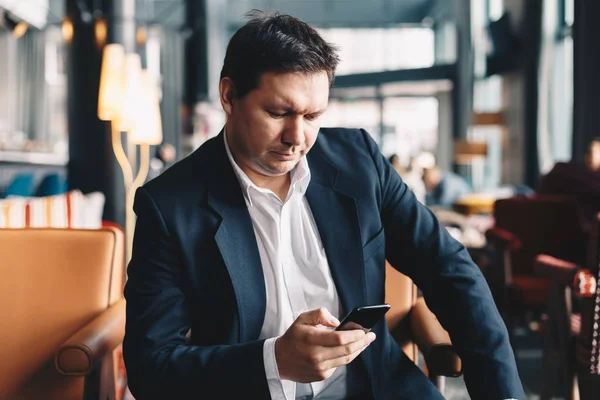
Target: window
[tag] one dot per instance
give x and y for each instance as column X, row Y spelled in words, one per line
column 33, row 106
column 555, row 116
column 368, row 50
column 562, row 87
column 485, row 174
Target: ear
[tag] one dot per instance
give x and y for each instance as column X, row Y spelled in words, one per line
column 226, row 94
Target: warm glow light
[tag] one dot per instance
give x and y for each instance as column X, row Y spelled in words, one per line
column 67, row 29
column 127, row 116
column 100, row 32
column 141, row 35
column 110, row 96
column 20, row 29
column 148, row 125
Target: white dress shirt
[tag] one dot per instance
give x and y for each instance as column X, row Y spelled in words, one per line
column 296, row 271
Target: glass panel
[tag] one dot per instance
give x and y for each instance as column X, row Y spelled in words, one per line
column 488, row 94
column 33, row 107
column 369, row 50
column 364, row 114
column 486, row 173
column 496, row 8
column 411, row 126
column 561, row 117
column 569, row 11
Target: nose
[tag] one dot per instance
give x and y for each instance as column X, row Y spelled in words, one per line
column 293, row 134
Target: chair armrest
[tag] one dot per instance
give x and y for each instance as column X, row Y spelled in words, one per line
column 566, row 274
column 503, row 239
column 557, row 270
column 80, row 353
column 434, row 342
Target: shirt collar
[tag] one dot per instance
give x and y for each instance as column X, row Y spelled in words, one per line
column 300, row 175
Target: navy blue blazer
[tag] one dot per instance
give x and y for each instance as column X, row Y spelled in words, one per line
column 196, row 266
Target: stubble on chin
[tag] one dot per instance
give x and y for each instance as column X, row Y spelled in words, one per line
column 271, row 169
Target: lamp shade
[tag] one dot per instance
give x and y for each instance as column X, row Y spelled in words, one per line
column 148, row 122
column 126, row 119
column 110, row 96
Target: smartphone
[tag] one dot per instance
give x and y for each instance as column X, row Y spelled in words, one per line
column 363, row 318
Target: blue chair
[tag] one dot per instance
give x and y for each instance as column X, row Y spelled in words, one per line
column 21, row 185
column 51, row 184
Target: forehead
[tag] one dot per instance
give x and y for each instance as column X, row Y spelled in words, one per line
column 294, row 89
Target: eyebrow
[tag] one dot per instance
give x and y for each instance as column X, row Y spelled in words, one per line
column 290, row 110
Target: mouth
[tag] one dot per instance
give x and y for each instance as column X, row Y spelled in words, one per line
column 285, row 156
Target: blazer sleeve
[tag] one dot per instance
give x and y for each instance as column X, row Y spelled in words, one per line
column 452, row 284
column 160, row 361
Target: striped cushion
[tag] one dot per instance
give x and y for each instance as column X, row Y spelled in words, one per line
column 66, row 210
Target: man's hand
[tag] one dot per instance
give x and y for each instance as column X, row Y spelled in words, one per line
column 307, row 352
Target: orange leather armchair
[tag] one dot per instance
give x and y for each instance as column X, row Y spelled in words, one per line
column 62, row 314
column 416, row 329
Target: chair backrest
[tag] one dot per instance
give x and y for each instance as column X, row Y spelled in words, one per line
column 547, row 224
column 52, row 282
column 22, row 184
column 51, row 184
column 401, row 294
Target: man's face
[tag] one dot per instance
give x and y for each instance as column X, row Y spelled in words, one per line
column 431, row 179
column 274, row 125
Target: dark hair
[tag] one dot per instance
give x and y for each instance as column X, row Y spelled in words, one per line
column 393, row 158
column 274, row 42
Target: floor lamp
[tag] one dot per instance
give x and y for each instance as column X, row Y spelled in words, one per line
column 128, row 98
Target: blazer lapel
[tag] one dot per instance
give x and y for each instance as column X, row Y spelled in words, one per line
column 237, row 243
column 336, row 217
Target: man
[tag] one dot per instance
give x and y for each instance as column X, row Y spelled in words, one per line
column 580, row 181
column 411, row 177
column 444, row 188
column 248, row 251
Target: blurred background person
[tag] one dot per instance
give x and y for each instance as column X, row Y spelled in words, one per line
column 444, row 188
column 581, row 181
column 411, row 177
column 165, row 155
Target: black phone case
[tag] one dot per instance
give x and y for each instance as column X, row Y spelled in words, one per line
column 363, row 318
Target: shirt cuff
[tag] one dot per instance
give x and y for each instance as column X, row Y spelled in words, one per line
column 278, row 388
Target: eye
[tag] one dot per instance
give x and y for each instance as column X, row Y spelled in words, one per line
column 275, row 115
column 311, row 117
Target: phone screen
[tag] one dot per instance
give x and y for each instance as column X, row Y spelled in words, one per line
column 363, row 318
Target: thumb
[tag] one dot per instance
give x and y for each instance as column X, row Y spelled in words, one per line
column 319, row 316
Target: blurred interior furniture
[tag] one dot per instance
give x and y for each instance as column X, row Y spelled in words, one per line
column 71, row 209
column 467, row 153
column 63, row 312
column 22, row 184
column 416, row 329
column 476, row 203
column 128, row 98
column 571, row 332
column 51, row 184
column 525, row 226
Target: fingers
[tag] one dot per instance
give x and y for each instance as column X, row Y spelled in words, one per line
column 328, row 338
column 342, row 355
column 319, row 316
